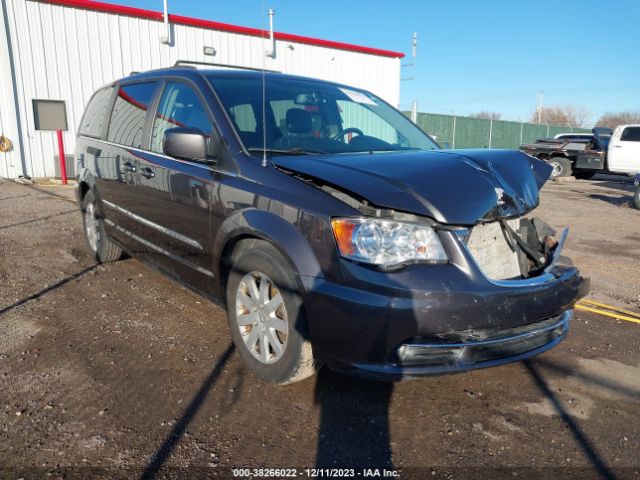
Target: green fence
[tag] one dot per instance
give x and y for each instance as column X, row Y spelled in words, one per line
column 466, row 132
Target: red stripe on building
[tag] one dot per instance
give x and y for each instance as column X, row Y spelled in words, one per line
column 224, row 27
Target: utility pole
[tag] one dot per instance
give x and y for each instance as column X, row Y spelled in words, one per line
column 540, row 95
column 414, row 104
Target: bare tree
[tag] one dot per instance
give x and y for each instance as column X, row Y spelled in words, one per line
column 486, row 115
column 567, row 115
column 613, row 119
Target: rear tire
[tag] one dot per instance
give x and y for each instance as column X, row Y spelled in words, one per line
column 266, row 315
column 561, row 166
column 101, row 248
column 636, row 198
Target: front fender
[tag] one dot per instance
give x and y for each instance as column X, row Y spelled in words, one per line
column 274, row 229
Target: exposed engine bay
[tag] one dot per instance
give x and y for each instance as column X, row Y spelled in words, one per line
column 513, row 249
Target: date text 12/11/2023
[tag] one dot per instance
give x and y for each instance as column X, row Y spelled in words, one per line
column 314, row 473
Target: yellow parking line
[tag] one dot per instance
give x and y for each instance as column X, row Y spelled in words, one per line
column 607, row 314
column 610, row 307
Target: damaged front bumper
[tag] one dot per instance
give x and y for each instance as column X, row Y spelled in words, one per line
column 437, row 319
column 417, row 359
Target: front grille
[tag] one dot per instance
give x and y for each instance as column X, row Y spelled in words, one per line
column 488, row 246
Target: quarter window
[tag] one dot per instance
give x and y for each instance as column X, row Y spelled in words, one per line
column 631, row 134
column 94, row 116
column 129, row 113
column 179, row 106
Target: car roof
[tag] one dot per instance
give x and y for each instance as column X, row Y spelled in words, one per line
column 190, row 72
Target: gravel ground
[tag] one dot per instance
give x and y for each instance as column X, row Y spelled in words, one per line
column 117, row 372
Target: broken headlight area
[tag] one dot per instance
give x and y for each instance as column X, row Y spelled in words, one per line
column 513, row 249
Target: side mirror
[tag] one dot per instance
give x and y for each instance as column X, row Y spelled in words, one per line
column 185, row 143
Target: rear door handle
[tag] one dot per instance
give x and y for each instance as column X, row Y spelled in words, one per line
column 147, row 173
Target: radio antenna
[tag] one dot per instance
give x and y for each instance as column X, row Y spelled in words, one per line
column 264, row 88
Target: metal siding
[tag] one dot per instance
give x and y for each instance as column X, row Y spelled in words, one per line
column 65, row 53
column 10, row 163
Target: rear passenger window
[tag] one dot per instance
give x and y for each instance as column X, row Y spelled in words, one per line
column 631, row 134
column 95, row 114
column 179, row 106
column 129, row 112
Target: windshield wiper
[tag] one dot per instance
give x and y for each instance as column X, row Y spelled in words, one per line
column 290, row 151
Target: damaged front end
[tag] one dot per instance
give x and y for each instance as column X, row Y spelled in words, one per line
column 513, row 249
column 498, row 291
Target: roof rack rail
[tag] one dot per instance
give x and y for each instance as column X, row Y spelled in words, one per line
column 134, row 72
column 192, row 63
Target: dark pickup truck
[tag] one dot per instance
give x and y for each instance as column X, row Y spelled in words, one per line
column 582, row 157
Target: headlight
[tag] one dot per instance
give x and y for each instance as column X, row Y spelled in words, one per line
column 386, row 242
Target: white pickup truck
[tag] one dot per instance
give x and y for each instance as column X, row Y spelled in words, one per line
column 584, row 155
column 623, row 154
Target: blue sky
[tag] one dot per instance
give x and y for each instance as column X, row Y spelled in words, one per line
column 472, row 55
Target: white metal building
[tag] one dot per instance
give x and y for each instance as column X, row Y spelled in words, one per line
column 63, row 50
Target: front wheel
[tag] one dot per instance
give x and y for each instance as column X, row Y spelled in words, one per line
column 102, row 249
column 266, row 316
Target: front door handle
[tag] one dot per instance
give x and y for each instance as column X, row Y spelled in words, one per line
column 147, row 173
column 128, row 167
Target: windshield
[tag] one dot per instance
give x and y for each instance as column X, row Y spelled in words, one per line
column 313, row 117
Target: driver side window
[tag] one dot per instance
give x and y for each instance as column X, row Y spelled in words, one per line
column 179, row 106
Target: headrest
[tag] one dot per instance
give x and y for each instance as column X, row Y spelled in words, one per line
column 298, row 121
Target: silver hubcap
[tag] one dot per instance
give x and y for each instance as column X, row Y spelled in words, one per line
column 261, row 317
column 557, row 169
column 91, row 227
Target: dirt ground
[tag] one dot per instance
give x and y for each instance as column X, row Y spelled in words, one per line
column 117, row 372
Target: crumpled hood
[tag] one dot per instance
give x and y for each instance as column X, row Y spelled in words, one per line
column 458, row 187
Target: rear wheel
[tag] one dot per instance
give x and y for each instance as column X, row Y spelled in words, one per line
column 102, row 249
column 636, row 198
column 266, row 316
column 561, row 166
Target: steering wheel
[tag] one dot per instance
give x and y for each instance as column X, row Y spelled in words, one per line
column 342, row 133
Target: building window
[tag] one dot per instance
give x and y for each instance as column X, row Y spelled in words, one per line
column 50, row 114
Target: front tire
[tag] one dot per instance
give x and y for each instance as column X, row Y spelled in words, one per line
column 561, row 167
column 101, row 248
column 266, row 315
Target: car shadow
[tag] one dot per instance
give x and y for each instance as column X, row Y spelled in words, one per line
column 580, row 437
column 354, row 422
column 623, row 183
column 613, row 200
